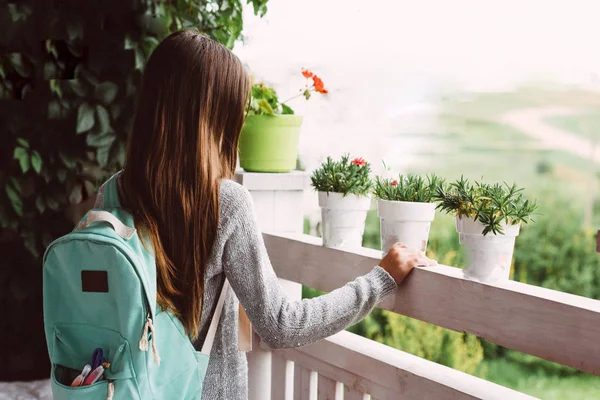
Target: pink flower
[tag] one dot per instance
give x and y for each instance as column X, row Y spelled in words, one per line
column 359, row 161
column 394, row 183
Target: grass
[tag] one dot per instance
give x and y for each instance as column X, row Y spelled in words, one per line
column 586, row 125
column 539, row 383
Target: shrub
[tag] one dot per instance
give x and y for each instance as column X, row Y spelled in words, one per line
column 490, row 204
column 69, row 74
column 412, row 188
column 344, row 176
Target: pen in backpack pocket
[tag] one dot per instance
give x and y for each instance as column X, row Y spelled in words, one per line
column 94, row 376
column 79, row 380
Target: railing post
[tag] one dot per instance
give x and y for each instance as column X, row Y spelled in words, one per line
column 278, row 201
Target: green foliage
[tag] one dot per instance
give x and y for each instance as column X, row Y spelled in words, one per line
column 413, row 188
column 490, row 204
column 347, row 176
column 453, row 349
column 69, row 75
column 266, row 102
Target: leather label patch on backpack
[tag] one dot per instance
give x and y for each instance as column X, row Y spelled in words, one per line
column 94, row 281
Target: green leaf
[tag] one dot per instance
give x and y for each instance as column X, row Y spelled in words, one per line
column 54, row 109
column 85, row 118
column 103, row 119
column 68, row 160
column 285, row 109
column 23, row 142
column 23, row 157
column 61, row 174
column 52, row 203
column 101, row 139
column 36, row 161
column 106, row 92
column 15, row 200
column 41, row 206
column 20, row 64
column 76, row 195
column 78, row 87
column 102, row 155
column 265, row 106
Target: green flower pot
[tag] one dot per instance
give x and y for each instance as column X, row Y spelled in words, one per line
column 270, row 143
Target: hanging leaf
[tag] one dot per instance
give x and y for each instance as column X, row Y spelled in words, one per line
column 102, row 155
column 78, row 87
column 85, row 118
column 21, row 155
column 15, row 200
column 53, row 109
column 20, row 64
column 23, row 142
column 103, row 119
column 68, row 160
column 41, row 206
column 101, row 139
column 36, row 161
column 106, row 92
column 52, row 203
column 61, row 174
column 75, row 196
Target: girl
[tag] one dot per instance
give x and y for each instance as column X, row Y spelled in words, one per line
column 201, row 225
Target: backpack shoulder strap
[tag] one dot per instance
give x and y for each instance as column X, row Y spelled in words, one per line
column 108, row 194
column 214, row 323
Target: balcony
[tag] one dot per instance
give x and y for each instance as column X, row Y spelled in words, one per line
column 552, row 325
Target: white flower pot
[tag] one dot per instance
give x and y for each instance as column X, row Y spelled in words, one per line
column 406, row 222
column 343, row 219
column 488, row 257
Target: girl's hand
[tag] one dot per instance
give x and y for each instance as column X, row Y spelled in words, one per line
column 400, row 260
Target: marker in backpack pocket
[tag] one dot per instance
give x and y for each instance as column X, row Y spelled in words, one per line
column 94, row 281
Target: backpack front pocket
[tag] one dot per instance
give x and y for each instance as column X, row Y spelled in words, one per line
column 62, row 391
column 71, row 350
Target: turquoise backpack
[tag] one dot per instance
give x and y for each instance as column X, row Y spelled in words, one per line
column 100, row 293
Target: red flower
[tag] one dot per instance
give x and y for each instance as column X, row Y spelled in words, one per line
column 319, row 86
column 307, row 74
column 394, row 183
column 359, row 161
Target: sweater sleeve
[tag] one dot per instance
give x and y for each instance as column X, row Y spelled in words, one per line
column 279, row 321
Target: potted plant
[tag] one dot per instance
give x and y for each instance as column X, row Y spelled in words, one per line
column 269, row 138
column 344, row 188
column 406, row 209
column 488, row 220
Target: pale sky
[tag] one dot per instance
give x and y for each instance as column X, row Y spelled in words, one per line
column 381, row 58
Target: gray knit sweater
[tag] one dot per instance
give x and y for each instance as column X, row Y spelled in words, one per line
column 239, row 253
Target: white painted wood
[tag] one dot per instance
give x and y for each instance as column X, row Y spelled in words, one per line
column 278, row 375
column 301, row 382
column 259, row 371
column 366, row 366
column 278, row 205
column 295, row 180
column 339, row 391
column 352, row 394
column 326, row 388
column 557, row 326
column 289, row 380
column 313, row 385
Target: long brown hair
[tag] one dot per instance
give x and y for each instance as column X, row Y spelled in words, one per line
column 184, row 141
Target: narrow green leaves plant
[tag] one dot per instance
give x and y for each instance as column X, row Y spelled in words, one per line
column 490, row 204
column 346, row 176
column 413, row 188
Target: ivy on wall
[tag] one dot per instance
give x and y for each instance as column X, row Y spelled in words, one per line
column 69, row 74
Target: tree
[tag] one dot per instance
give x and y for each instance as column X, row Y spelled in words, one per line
column 69, row 74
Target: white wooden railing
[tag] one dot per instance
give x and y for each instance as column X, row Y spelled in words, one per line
column 552, row 325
